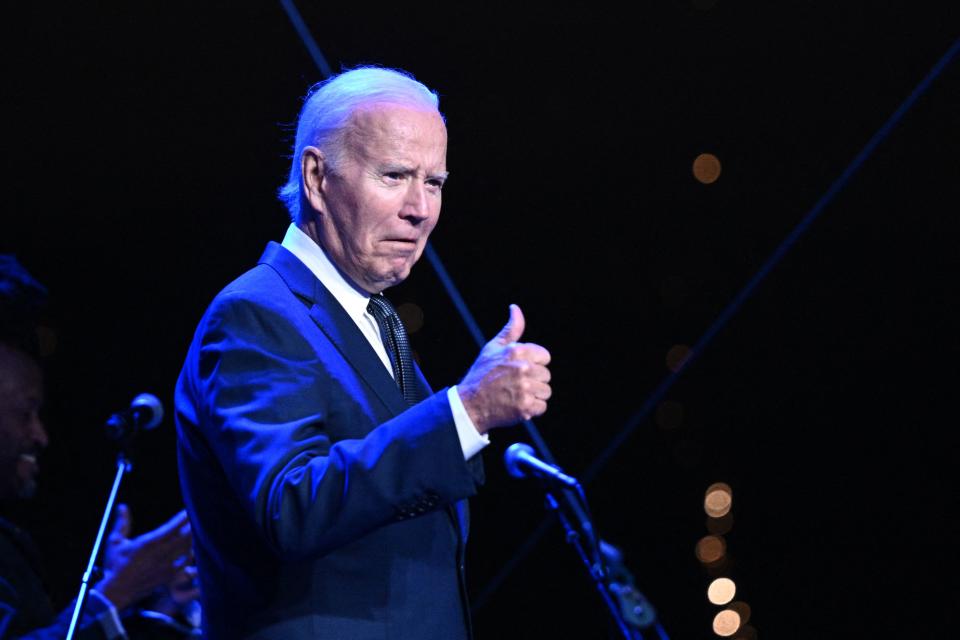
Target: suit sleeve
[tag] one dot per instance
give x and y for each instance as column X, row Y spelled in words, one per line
column 260, row 388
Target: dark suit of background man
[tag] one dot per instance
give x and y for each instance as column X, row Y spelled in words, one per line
column 324, row 505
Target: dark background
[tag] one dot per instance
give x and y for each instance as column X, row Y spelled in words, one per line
column 143, row 144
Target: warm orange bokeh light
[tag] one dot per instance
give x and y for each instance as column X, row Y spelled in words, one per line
column 710, row 549
column 721, row 591
column 726, row 623
column 706, row 168
column 718, row 500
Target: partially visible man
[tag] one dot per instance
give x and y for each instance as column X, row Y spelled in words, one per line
column 325, row 481
column 134, row 568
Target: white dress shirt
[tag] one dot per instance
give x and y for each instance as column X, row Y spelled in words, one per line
column 355, row 303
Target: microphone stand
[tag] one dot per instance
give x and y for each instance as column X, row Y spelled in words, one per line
column 145, row 412
column 123, row 465
column 584, row 541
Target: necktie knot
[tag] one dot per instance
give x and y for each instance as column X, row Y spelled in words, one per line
column 398, row 347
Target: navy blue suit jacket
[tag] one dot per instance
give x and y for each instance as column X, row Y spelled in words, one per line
column 322, row 506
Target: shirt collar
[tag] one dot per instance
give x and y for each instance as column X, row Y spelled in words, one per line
column 313, row 257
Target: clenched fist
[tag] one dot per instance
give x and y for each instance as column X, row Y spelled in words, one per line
column 509, row 381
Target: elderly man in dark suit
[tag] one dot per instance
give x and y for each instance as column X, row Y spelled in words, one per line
column 325, row 481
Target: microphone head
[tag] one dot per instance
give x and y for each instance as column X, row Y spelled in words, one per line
column 151, row 408
column 511, row 458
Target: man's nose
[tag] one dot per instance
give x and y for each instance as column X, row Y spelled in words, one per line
column 416, row 206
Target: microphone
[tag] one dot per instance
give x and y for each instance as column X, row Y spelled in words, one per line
column 522, row 463
column 145, row 412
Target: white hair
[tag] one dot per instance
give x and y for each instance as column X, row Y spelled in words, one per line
column 327, row 110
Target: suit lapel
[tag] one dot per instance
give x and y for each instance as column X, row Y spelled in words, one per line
column 337, row 325
column 342, row 331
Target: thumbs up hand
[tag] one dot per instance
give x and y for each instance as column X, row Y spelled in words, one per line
column 509, row 381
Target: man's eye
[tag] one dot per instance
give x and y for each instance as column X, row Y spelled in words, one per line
column 393, row 175
column 436, row 184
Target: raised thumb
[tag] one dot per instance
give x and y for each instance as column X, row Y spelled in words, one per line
column 512, row 331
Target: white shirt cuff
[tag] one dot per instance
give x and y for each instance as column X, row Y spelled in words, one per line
column 471, row 441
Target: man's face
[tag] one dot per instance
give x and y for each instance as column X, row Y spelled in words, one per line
column 22, row 435
column 379, row 205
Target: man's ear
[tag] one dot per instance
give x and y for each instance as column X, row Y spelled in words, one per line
column 312, row 171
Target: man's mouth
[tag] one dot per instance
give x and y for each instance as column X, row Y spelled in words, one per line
column 403, row 245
